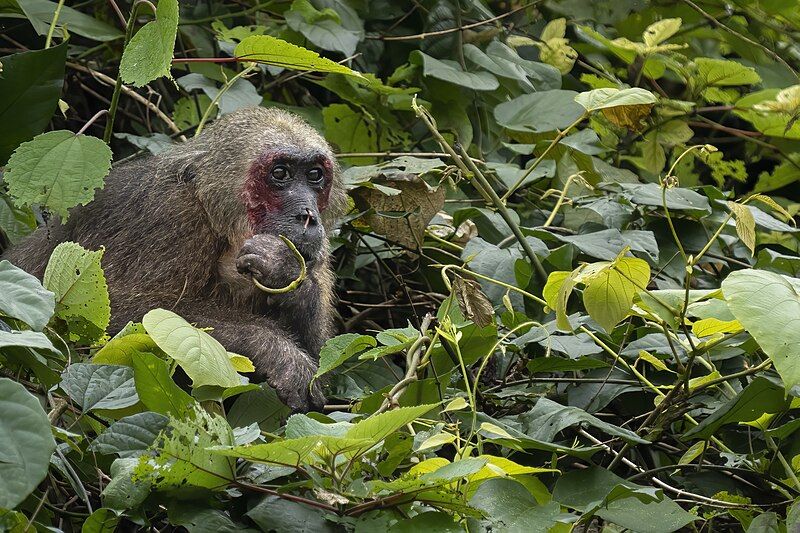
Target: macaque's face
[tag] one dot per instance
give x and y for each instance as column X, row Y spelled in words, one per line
column 285, row 193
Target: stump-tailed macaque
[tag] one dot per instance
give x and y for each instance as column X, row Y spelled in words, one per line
column 187, row 230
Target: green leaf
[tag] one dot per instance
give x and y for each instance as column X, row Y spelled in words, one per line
column 40, row 14
column 608, row 98
column 759, row 397
column 26, row 443
column 322, row 30
column 608, row 297
column 15, row 222
column 203, row 359
column 598, row 491
column 548, row 418
column 31, row 85
column 155, row 387
column 349, row 130
column 125, row 491
column 283, row 516
column 101, row 521
column 120, row 350
column 130, row 436
column 148, row 55
column 724, row 72
column 57, row 170
column 503, row 61
column 767, row 305
column 510, row 508
column 539, row 112
column 24, row 298
column 99, row 386
column 27, row 339
column 339, row 349
column 75, row 276
column 293, row 452
column 378, row 427
column 273, row 51
column 451, row 71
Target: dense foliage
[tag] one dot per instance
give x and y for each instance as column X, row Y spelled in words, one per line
column 568, row 277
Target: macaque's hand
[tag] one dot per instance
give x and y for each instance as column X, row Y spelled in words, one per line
column 269, row 260
column 292, row 384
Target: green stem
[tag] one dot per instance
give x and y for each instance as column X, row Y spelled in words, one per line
column 53, row 22
column 216, row 99
column 468, row 166
column 558, row 138
column 112, row 109
column 560, row 199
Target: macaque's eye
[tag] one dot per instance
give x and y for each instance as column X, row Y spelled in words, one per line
column 280, row 173
column 315, row 176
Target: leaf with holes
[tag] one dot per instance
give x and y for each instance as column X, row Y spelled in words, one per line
column 75, row 276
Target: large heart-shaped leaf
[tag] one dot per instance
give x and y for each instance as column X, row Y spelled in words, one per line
column 768, row 306
column 203, row 358
column 26, row 443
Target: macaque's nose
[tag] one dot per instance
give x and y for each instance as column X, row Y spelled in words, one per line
column 307, row 218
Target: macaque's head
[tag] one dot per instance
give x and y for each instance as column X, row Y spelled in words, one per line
column 263, row 170
column 286, row 191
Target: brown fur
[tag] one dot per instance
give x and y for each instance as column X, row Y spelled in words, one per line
column 173, row 225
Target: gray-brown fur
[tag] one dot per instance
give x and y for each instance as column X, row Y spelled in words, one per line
column 173, row 227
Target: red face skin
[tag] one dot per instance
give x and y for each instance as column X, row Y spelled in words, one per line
column 264, row 201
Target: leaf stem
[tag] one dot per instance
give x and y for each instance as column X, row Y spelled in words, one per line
column 215, row 102
column 553, row 143
column 53, row 22
column 296, row 282
column 112, row 109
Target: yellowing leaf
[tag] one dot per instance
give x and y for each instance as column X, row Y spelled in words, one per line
column 745, row 225
column 437, row 440
column 702, row 380
column 456, row 405
column 653, row 360
column 241, row 363
column 502, row 467
column 763, row 198
column 428, row 465
column 554, row 49
column 553, row 285
column 496, row 430
column 609, row 297
column 713, row 326
column 658, row 32
column 786, row 101
column 556, row 28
